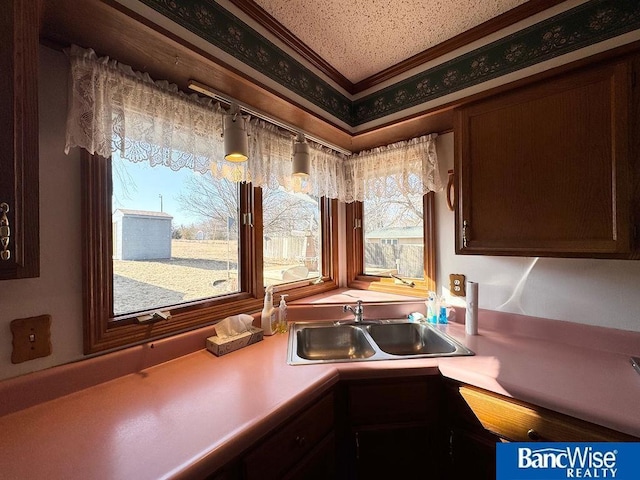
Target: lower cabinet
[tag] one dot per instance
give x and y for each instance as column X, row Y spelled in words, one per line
column 319, row 464
column 407, row 427
column 392, row 428
column 472, row 453
column 303, row 448
column 478, row 420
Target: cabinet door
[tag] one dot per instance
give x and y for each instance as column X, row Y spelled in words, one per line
column 395, row 428
column 319, row 464
column 19, row 242
column 544, row 170
column 521, row 422
column 398, row 452
column 473, row 454
column 296, row 442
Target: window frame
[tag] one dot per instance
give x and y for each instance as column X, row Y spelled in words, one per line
column 104, row 331
column 356, row 278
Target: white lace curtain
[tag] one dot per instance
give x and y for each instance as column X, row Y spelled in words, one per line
column 409, row 167
column 112, row 109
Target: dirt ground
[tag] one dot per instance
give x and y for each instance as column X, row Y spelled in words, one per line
column 197, row 269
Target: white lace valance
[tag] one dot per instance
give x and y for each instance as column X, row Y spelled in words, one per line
column 409, row 167
column 112, row 108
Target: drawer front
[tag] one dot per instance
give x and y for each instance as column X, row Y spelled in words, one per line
column 398, row 401
column 519, row 422
column 284, row 448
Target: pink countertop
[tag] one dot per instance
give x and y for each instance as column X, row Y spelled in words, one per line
column 188, row 416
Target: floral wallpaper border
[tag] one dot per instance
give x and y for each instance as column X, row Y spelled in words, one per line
column 219, row 27
column 576, row 28
column 586, row 24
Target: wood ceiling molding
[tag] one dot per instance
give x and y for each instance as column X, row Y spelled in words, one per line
column 275, row 28
column 507, row 19
column 111, row 29
column 573, row 29
column 279, row 31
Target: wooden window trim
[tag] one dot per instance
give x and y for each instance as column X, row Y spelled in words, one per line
column 103, row 331
column 355, row 259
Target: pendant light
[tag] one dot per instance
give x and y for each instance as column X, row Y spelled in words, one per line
column 301, row 163
column 236, row 144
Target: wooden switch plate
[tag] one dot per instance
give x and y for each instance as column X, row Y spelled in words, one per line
column 31, row 338
column 457, row 285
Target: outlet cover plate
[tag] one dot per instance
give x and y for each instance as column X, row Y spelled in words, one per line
column 457, row 283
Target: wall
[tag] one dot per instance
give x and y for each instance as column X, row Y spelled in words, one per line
column 58, row 290
column 586, row 291
column 594, row 292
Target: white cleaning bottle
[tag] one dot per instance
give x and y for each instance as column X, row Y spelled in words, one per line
column 268, row 312
column 282, row 315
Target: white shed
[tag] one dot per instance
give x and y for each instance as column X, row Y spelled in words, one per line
column 141, row 235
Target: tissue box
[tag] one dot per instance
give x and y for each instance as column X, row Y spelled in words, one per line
column 219, row 346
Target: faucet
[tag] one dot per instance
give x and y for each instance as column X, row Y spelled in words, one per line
column 358, row 311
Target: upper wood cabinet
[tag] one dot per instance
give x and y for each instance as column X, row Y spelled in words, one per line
column 546, row 169
column 19, row 222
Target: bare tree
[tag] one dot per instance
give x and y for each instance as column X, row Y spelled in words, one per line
column 284, row 212
column 207, row 198
column 393, row 204
column 217, row 200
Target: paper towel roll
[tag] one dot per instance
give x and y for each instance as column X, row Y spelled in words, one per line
column 471, row 317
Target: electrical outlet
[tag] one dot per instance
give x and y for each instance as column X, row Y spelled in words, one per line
column 31, row 338
column 457, row 285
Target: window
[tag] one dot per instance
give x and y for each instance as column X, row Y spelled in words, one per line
column 175, row 236
column 292, row 248
column 393, row 240
column 393, row 230
column 242, row 238
column 157, row 240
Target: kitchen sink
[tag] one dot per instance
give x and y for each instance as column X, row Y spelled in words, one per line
column 337, row 343
column 410, row 339
column 325, row 342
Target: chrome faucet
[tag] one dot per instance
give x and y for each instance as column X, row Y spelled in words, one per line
column 358, row 311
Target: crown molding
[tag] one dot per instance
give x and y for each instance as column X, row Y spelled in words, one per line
column 279, row 31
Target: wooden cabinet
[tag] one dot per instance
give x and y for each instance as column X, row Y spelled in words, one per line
column 547, row 170
column 404, row 427
column 303, row 448
column 19, row 240
column 479, row 419
column 393, row 429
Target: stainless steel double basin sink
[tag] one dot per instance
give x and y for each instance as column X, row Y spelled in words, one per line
column 325, row 342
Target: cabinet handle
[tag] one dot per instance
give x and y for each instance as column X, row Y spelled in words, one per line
column 357, row 446
column 465, row 229
column 450, row 186
column 5, row 232
column 301, row 441
column 533, row 435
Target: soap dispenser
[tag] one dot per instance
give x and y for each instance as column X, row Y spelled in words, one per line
column 268, row 312
column 282, row 315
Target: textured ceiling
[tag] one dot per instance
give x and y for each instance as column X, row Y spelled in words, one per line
column 360, row 38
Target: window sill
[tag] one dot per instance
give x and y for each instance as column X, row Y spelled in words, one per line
column 377, row 304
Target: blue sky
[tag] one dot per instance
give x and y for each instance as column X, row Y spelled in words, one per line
column 147, row 184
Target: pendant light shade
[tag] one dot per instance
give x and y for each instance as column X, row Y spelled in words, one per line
column 301, row 161
column 236, row 144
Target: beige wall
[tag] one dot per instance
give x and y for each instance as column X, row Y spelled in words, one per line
column 587, row 291
column 58, row 289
